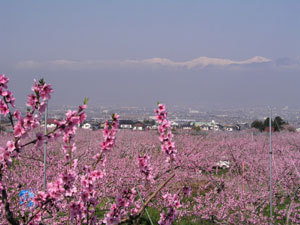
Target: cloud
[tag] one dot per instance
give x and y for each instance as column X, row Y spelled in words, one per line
column 200, row 62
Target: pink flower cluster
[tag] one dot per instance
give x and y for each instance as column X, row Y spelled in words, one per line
column 109, row 133
column 68, row 128
column 88, row 193
column 166, row 136
column 145, row 167
column 114, row 215
column 57, row 190
column 36, row 100
column 41, row 91
column 69, row 125
column 119, row 209
column 66, row 186
column 82, row 208
column 5, row 153
column 76, row 210
column 3, row 81
column 7, row 96
column 173, row 203
column 24, row 125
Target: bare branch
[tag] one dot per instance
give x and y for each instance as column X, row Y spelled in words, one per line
column 140, row 212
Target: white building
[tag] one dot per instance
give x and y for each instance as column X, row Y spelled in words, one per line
column 87, row 126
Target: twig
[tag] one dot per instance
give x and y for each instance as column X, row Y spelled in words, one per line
column 9, row 114
column 8, row 214
column 98, row 160
column 140, row 212
column 167, row 171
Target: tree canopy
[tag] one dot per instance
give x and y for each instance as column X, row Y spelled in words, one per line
column 278, row 124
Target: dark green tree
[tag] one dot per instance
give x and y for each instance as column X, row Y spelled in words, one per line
column 267, row 123
column 258, row 125
column 279, row 123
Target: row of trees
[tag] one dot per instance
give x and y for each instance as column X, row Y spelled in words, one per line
column 277, row 124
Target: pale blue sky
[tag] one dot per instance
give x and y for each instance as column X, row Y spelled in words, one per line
column 95, row 39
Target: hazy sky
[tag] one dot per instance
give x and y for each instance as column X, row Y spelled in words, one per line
column 237, row 53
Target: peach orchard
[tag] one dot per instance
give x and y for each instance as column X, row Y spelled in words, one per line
column 113, row 176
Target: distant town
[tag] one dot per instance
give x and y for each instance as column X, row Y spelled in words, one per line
column 142, row 118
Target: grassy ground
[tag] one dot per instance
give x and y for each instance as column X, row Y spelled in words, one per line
column 155, row 214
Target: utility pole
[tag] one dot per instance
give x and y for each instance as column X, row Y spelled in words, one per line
column 270, row 153
column 45, row 148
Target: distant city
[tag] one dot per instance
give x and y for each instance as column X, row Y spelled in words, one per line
column 141, row 118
